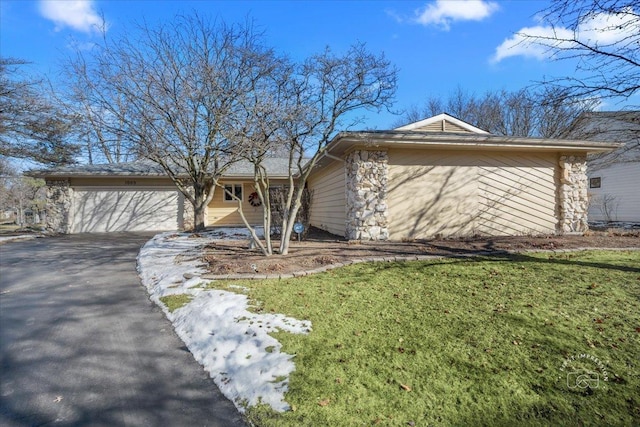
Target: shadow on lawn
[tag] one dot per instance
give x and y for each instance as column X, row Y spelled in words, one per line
column 491, row 253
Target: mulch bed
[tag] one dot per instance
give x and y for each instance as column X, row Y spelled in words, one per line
column 319, row 249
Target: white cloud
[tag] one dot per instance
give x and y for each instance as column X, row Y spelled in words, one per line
column 604, row 28
column 522, row 45
column 541, row 42
column 442, row 13
column 76, row 14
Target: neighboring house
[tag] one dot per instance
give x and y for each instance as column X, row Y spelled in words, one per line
column 436, row 177
column 613, row 176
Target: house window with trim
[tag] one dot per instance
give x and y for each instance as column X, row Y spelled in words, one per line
column 235, row 189
column 595, row 182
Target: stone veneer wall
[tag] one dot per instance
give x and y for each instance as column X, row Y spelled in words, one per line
column 366, row 186
column 59, row 205
column 573, row 198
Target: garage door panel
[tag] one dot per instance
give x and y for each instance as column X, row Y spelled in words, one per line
column 122, row 210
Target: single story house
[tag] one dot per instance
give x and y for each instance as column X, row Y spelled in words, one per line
column 613, row 176
column 436, row 177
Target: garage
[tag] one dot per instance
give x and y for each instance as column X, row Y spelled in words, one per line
column 109, row 210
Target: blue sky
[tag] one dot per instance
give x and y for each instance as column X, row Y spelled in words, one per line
column 437, row 45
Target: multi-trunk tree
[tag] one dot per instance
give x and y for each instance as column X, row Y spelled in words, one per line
column 306, row 107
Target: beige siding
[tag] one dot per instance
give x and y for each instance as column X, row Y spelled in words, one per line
column 225, row 213
column 430, row 193
column 453, row 193
column 517, row 194
column 328, row 203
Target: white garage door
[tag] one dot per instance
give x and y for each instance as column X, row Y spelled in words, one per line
column 124, row 210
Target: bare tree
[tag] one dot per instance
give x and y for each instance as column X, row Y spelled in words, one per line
column 318, row 97
column 546, row 113
column 32, row 125
column 261, row 130
column 175, row 92
column 297, row 113
column 20, row 193
column 603, row 37
column 100, row 143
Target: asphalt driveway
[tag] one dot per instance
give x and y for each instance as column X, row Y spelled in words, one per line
column 81, row 344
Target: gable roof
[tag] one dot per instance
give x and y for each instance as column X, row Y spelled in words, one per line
column 442, row 123
column 137, row 168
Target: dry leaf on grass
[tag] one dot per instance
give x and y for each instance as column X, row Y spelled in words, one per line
column 323, row 402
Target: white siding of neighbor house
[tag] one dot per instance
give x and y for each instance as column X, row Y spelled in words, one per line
column 618, row 198
column 453, row 193
column 328, row 198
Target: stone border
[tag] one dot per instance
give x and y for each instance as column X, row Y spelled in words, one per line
column 19, row 238
column 403, row 258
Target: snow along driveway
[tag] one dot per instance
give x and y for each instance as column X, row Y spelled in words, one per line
column 230, row 342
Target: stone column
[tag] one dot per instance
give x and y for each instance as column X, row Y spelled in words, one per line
column 59, row 206
column 366, row 186
column 573, row 198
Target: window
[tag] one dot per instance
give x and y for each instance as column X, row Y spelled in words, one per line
column 235, row 189
column 595, row 182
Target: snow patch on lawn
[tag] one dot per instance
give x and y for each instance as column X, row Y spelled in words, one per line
column 230, row 342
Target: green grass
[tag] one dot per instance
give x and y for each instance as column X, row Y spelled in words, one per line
column 461, row 342
column 176, row 301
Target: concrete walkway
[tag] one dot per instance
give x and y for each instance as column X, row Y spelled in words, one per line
column 81, row 344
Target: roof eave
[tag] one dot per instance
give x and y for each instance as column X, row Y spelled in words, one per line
column 49, row 174
column 461, row 141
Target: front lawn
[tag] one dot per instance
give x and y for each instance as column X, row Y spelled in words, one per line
column 493, row 341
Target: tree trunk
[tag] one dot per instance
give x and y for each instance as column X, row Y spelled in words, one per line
column 198, row 212
column 202, row 195
column 285, row 237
